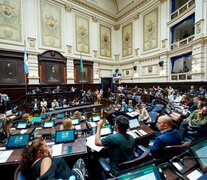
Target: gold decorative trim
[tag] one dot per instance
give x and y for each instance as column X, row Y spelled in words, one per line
column 32, row 41
column 136, row 16
column 116, row 27
column 94, row 19
column 97, row 10
column 68, row 8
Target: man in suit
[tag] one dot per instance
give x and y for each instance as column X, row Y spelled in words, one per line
column 121, row 145
column 167, row 137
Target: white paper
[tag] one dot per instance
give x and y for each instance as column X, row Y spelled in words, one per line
column 91, row 143
column 93, row 124
column 194, row 175
column 23, row 131
column 2, row 148
column 50, row 143
column 78, row 127
column 142, row 132
column 178, row 166
column 56, row 149
column 105, row 131
column 4, row 155
column 133, row 134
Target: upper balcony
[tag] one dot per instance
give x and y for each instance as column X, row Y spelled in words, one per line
column 182, row 43
column 181, row 10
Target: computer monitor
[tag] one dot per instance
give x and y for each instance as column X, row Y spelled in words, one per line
column 150, row 172
column 64, row 136
column 200, row 152
column 48, row 124
column 96, row 118
column 22, row 125
column 17, row 141
column 75, row 121
column 134, row 123
column 60, row 116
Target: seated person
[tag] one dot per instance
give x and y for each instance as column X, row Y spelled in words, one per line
column 37, row 163
column 35, row 106
column 67, row 123
column 198, row 118
column 54, row 104
column 130, row 104
column 143, row 113
column 6, row 125
column 57, row 90
column 121, row 145
column 76, row 114
column 64, row 103
column 167, row 137
column 124, row 107
column 43, row 105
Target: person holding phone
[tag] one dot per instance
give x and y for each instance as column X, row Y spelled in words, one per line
column 37, row 163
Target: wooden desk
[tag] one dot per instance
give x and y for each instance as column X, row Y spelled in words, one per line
column 17, row 131
column 78, row 147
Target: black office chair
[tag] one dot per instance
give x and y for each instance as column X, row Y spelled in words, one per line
column 174, row 150
column 197, row 132
column 106, row 168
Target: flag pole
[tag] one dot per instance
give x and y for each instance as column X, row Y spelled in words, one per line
column 81, row 69
column 26, row 70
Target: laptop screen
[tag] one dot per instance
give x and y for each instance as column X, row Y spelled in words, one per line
column 65, row 136
column 133, row 123
column 17, row 141
column 96, row 118
column 22, row 125
column 48, row 124
column 75, row 121
column 150, row 172
column 60, row 116
column 200, row 152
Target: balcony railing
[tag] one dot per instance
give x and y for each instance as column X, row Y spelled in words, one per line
column 181, row 76
column 182, row 9
column 182, row 42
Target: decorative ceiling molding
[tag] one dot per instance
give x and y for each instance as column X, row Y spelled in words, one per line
column 121, row 14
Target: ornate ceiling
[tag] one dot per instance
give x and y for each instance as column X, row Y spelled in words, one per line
column 115, row 8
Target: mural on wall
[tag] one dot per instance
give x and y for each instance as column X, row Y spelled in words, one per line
column 10, row 20
column 150, row 31
column 82, row 34
column 51, row 28
column 127, row 40
column 105, row 41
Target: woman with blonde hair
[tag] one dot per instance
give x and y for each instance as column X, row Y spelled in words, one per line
column 143, row 114
column 67, row 123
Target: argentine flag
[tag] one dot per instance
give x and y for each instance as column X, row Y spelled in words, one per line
column 26, row 66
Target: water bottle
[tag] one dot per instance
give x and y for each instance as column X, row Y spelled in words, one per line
column 35, row 133
column 53, row 133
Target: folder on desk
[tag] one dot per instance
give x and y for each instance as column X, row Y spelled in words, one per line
column 36, row 119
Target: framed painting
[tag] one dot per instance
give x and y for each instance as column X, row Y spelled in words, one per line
column 150, row 30
column 52, row 67
column 105, row 41
column 127, row 40
column 82, row 34
column 51, row 29
column 11, row 72
column 11, row 20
